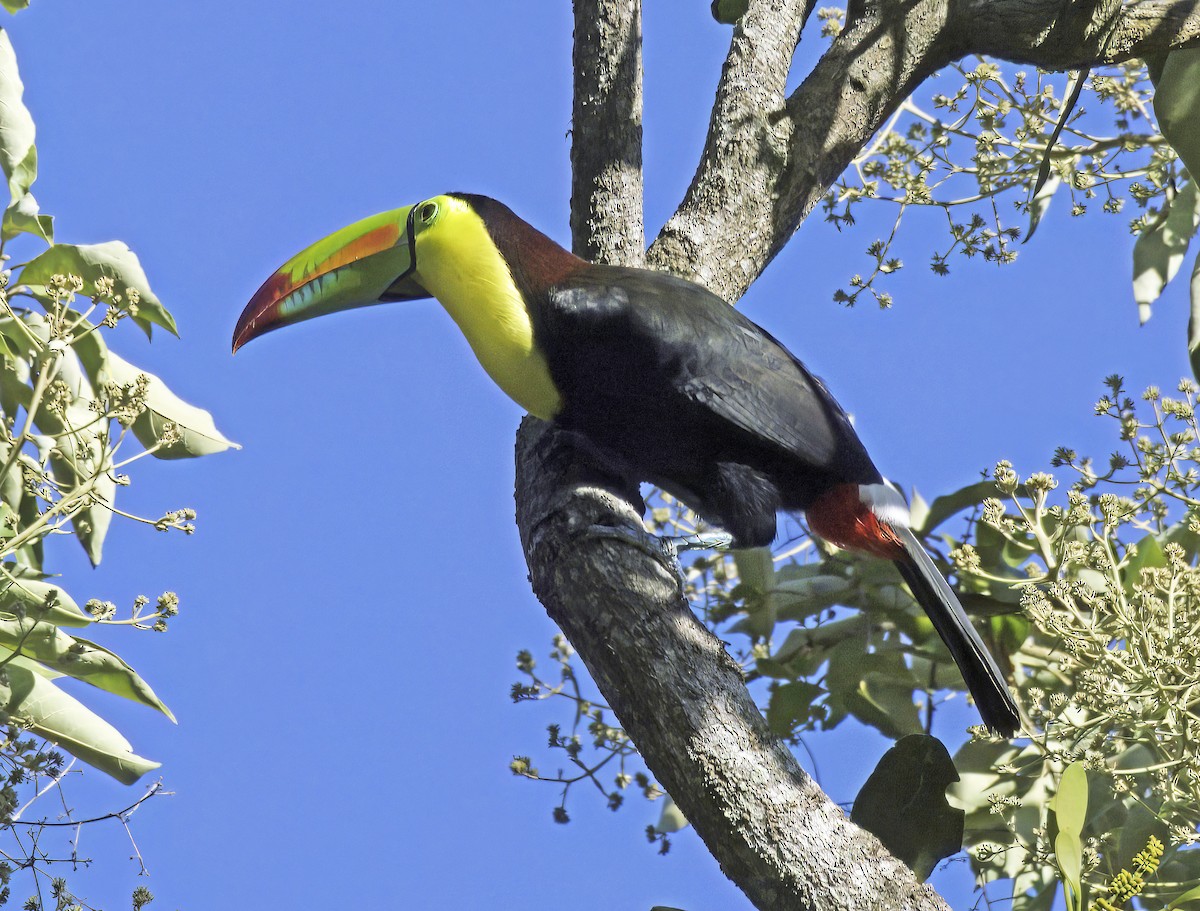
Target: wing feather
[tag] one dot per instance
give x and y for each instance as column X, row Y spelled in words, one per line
column 646, row 334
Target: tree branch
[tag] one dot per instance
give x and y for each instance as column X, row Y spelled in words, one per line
column 668, row 680
column 684, row 702
column 725, row 215
column 606, row 169
column 770, row 160
column 1057, row 35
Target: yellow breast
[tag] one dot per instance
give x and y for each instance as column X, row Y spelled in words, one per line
column 458, row 263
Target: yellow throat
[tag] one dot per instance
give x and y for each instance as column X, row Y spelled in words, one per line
column 458, row 263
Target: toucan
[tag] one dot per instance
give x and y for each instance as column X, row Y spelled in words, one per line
column 663, row 379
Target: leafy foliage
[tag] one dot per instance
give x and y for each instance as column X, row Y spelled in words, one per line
column 611, row 744
column 70, row 414
column 973, row 152
column 73, row 418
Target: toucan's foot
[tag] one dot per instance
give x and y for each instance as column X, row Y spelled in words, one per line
column 667, row 548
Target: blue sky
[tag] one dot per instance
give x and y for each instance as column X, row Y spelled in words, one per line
column 355, row 595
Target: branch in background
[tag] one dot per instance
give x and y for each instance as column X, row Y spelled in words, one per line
column 1060, row 36
column 725, row 214
column 606, row 169
column 770, row 160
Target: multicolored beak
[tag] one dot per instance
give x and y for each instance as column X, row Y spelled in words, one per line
column 369, row 262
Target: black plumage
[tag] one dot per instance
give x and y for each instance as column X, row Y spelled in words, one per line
column 695, row 398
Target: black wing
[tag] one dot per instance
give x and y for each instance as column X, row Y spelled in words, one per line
column 646, row 361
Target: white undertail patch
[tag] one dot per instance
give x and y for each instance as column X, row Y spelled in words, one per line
column 886, row 503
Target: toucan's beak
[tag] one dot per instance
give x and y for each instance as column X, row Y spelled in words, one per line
column 369, row 262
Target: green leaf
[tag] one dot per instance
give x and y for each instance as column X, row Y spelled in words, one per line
column 71, row 462
column 1159, row 250
column 1191, row 895
column 14, row 6
column 799, row 599
column 903, row 803
column 998, row 553
column 1180, row 533
column 112, row 260
column 91, row 523
column 1139, row 824
column 12, row 486
column 51, row 714
column 16, row 125
column 78, row 658
column 727, row 12
column 1177, row 104
column 1023, row 782
column 1034, row 888
column 874, row 687
column 918, row 509
column 1071, row 801
column 755, row 567
column 32, row 553
column 1068, row 854
column 23, row 217
column 17, row 337
column 671, row 819
column 1177, row 877
column 197, row 434
column 1070, row 812
column 791, row 706
column 805, row 649
column 1148, row 554
column 92, row 351
column 948, row 505
column 18, row 154
column 756, row 581
column 799, row 640
column 39, row 600
column 977, row 761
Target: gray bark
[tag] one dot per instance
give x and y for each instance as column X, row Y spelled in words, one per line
column 606, row 169
column 767, row 161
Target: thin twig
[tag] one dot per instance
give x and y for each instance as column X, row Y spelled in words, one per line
column 16, row 817
column 124, row 814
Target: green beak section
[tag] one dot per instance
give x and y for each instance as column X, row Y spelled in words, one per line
column 368, row 262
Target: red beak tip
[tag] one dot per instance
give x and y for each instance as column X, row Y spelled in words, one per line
column 241, row 335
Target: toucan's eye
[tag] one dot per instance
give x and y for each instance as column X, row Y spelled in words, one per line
column 427, row 212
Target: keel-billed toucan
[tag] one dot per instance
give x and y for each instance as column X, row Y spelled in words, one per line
column 663, row 378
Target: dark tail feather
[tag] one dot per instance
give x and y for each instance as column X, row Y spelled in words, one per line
column 983, row 678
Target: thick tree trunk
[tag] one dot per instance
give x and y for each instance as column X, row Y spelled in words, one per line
column 768, row 160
